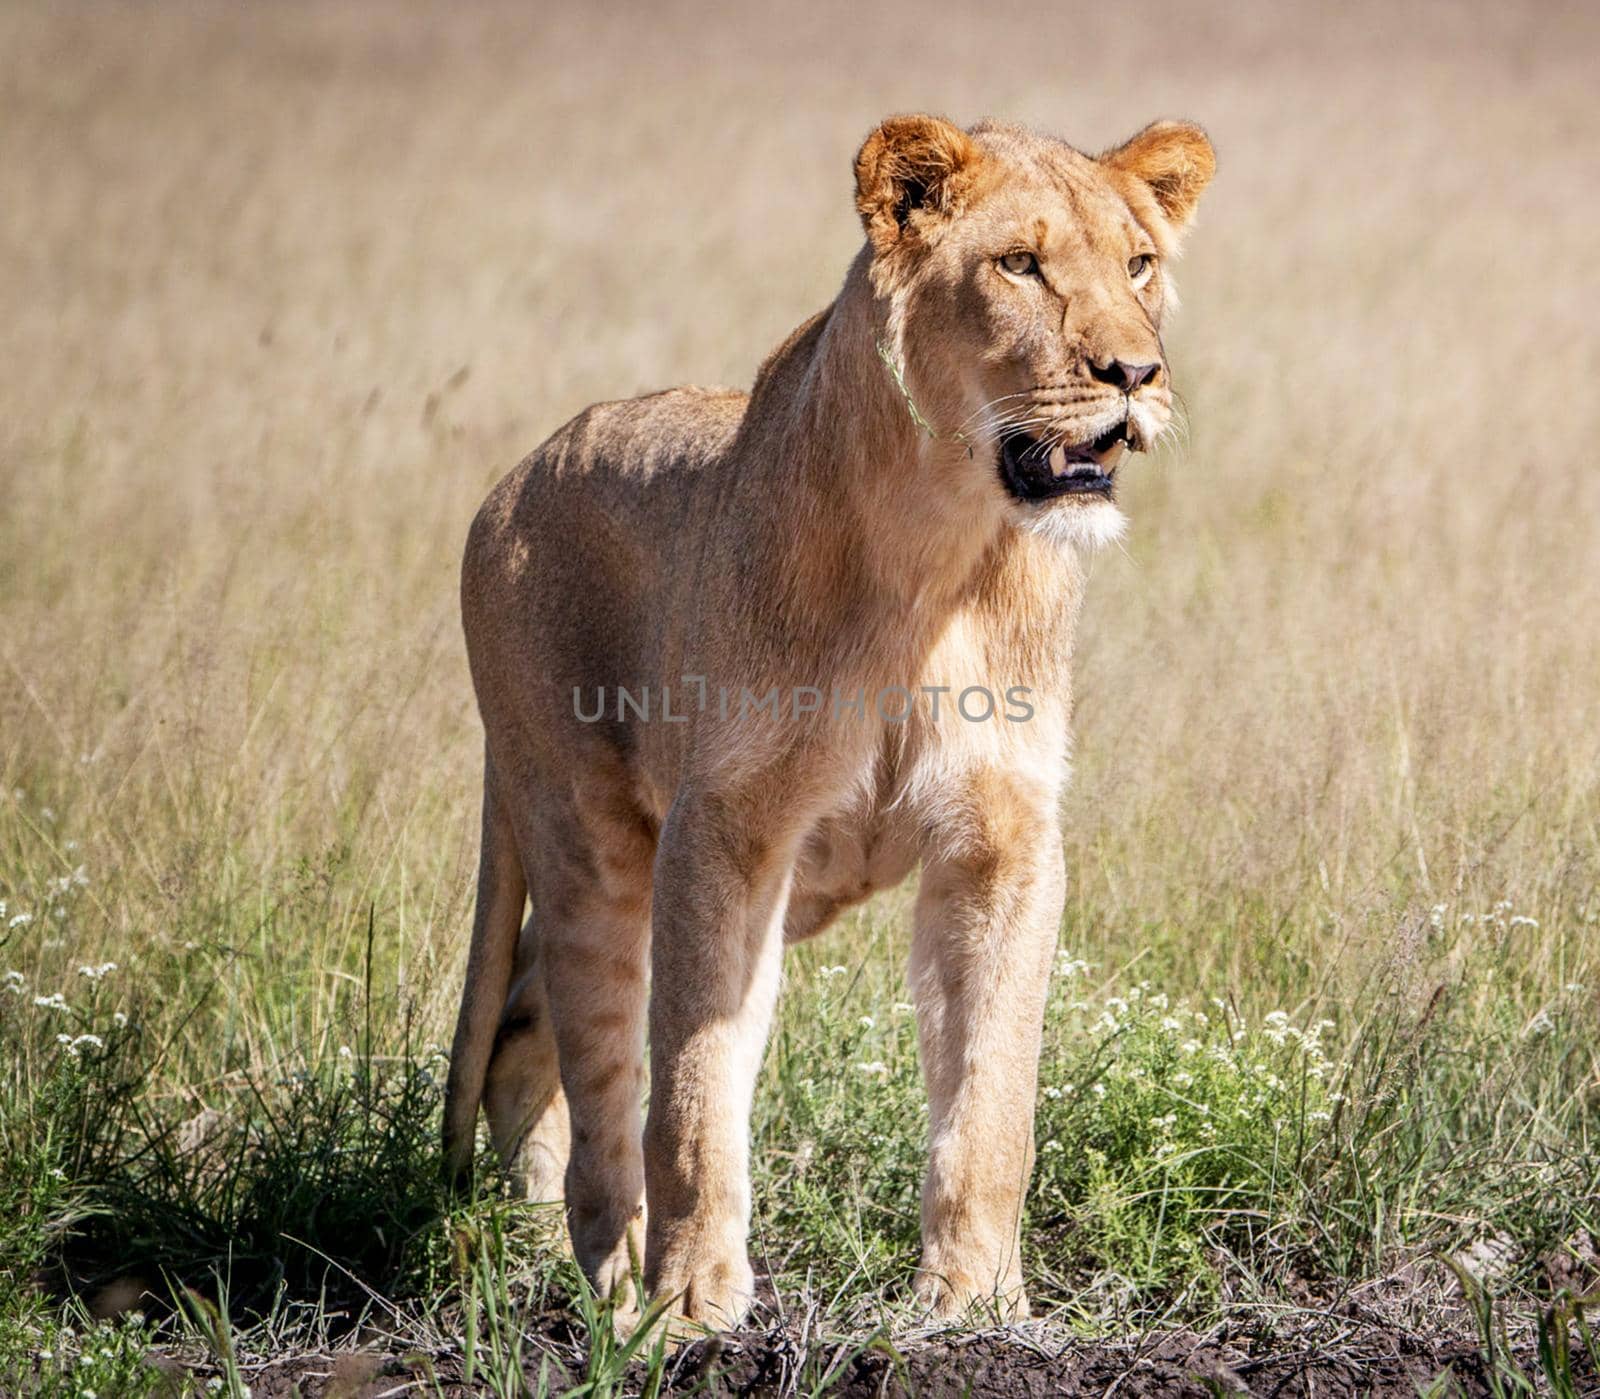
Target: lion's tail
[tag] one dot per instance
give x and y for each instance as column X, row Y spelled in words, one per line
column 502, row 891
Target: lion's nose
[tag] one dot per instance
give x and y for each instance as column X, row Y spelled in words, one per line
column 1120, row 374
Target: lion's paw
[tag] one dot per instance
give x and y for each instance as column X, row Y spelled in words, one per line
column 950, row 1294
column 707, row 1293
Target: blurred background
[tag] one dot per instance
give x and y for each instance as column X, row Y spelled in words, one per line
column 284, row 289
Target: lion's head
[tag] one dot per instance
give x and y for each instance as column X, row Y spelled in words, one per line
column 1024, row 284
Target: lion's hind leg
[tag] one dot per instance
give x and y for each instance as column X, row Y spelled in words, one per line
column 522, row 1098
column 591, row 906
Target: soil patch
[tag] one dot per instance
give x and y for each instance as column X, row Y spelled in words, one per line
column 990, row 1365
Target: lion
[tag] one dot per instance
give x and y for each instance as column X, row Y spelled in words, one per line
column 710, row 633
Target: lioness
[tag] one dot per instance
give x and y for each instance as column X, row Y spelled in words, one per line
column 786, row 583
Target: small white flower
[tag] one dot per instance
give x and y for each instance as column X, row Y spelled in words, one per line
column 1182, row 1080
column 867, row 1022
column 1573, row 988
column 1052, row 1145
column 1189, row 1047
column 93, row 1041
column 902, row 1007
column 1171, row 1024
column 345, row 1052
column 97, row 973
column 1052, row 1092
column 828, row 973
column 1522, row 921
column 20, row 920
column 119, row 1019
column 877, row 1068
column 54, row 1002
column 1099, row 1090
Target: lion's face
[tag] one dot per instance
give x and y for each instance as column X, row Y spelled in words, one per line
column 1026, row 285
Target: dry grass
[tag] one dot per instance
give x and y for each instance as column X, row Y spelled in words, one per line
column 283, row 289
column 249, row 257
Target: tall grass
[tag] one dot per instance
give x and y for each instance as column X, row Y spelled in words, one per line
column 282, row 293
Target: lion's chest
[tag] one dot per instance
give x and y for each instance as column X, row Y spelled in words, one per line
column 981, row 705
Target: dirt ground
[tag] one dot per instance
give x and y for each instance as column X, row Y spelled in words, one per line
column 1365, row 1361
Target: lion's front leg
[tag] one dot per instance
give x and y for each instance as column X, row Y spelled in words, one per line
column 720, row 891
column 987, row 916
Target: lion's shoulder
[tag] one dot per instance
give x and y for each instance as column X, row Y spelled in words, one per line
column 677, row 428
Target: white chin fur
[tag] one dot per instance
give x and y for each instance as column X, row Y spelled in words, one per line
column 1087, row 525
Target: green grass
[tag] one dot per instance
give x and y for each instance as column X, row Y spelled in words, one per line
column 275, row 1175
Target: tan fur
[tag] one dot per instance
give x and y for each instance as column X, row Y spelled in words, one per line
column 844, row 526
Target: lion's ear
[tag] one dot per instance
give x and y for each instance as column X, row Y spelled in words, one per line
column 908, row 164
column 1175, row 159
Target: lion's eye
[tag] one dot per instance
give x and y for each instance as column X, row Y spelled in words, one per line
column 1020, row 264
column 1140, row 267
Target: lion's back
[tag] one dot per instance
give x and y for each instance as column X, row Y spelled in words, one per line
column 573, row 546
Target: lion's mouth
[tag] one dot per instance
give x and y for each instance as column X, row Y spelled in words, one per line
column 1035, row 470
